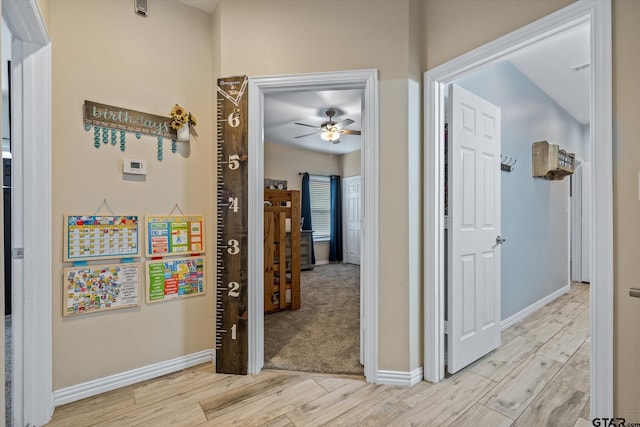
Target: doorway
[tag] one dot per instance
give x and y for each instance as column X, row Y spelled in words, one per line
column 367, row 82
column 305, row 169
column 32, row 389
column 598, row 15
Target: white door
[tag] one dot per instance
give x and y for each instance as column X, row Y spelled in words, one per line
column 352, row 203
column 474, row 229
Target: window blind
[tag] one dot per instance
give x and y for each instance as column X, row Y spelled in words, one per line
column 320, row 192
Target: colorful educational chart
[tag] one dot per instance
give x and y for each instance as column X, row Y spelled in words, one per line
column 174, row 278
column 100, row 237
column 90, row 289
column 175, row 235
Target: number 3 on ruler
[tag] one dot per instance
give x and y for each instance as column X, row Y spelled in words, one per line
column 234, row 247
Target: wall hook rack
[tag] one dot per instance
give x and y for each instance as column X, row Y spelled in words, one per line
column 507, row 164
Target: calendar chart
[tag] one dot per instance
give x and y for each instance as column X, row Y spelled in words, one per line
column 100, row 237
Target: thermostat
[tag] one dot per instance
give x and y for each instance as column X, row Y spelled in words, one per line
column 135, row 167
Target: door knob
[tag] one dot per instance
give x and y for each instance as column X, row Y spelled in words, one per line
column 500, row 240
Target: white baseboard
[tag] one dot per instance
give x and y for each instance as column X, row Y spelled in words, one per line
column 112, row 382
column 322, row 262
column 400, row 378
column 511, row 320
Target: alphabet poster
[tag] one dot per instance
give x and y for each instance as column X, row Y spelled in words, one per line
column 171, row 278
column 89, row 289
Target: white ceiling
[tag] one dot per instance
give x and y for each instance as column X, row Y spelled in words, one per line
column 204, row 5
column 551, row 66
column 283, row 109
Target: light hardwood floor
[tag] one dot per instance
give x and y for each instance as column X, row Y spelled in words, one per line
column 538, row 377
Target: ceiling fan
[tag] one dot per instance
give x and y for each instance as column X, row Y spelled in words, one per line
column 330, row 130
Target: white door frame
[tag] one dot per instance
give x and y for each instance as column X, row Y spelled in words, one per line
column 367, row 80
column 598, row 14
column 31, row 204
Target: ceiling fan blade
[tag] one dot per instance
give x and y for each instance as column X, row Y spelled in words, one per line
column 343, row 123
column 306, row 134
column 304, row 124
column 350, row 132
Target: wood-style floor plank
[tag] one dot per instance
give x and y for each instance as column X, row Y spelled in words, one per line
column 563, row 344
column 189, row 415
column 557, row 405
column 505, row 359
column 233, row 399
column 480, row 415
column 459, row 393
column 271, row 406
column 575, row 373
column 371, row 413
column 315, row 413
column 513, row 394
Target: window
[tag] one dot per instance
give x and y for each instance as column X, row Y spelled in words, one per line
column 320, row 195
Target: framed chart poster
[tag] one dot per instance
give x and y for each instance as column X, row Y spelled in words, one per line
column 175, row 235
column 171, row 278
column 100, row 237
column 90, row 289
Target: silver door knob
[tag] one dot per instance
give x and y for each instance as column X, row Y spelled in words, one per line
column 500, row 240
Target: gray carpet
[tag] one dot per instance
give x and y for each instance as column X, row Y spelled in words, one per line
column 324, row 335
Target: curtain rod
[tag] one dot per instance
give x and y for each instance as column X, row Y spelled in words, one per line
column 315, row 174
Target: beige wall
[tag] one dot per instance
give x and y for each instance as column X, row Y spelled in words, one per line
column 350, row 164
column 103, row 52
column 288, row 36
column 626, row 220
column 285, row 162
column 43, row 5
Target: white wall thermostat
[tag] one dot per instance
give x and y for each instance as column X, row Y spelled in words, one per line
column 135, row 167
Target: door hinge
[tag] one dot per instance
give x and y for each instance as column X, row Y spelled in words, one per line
column 17, row 253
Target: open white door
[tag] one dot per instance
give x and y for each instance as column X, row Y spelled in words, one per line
column 474, row 230
column 352, row 203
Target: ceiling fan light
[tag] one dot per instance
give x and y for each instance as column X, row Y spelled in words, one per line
column 330, row 135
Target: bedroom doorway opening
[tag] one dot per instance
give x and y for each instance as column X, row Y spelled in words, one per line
column 312, row 303
column 364, row 85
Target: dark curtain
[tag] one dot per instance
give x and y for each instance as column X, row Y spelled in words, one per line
column 306, row 210
column 335, row 234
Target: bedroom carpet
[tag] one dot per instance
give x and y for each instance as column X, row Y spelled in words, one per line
column 324, row 335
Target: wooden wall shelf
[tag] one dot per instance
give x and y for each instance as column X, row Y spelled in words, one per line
column 551, row 162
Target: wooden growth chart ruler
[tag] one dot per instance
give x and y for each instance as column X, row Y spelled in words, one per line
column 232, row 253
